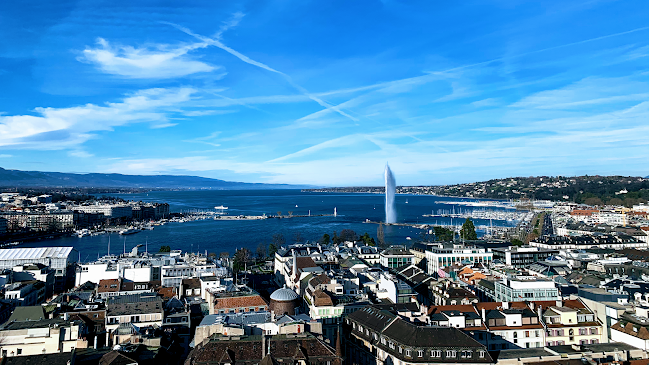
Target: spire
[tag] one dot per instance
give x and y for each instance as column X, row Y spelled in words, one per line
column 339, row 351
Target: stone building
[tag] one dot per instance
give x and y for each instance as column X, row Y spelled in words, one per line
column 284, row 301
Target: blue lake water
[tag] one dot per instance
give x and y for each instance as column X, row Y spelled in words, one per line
column 219, row 236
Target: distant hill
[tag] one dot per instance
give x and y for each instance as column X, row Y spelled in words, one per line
column 591, row 190
column 17, row 178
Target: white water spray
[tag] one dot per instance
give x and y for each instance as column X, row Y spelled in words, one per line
column 390, row 190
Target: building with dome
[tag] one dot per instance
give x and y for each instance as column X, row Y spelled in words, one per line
column 284, row 301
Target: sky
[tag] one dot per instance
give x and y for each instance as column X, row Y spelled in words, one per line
column 326, row 92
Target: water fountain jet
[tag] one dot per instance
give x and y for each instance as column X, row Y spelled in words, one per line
column 390, row 190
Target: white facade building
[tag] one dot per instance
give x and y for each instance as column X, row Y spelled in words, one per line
column 446, row 255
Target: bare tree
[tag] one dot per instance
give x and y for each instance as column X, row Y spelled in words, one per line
column 261, row 251
column 297, row 237
column 380, row 235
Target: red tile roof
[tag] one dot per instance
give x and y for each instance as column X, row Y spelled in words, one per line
column 239, row 302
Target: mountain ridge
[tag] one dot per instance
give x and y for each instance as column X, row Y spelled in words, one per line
column 20, row 178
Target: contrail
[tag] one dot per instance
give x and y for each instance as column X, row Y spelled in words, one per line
column 250, row 61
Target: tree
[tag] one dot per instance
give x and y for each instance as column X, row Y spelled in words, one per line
column 278, row 240
column 297, row 237
column 241, row 259
column 290, row 213
column 516, row 242
column 261, row 251
column 335, row 240
column 348, row 235
column 380, row 235
column 443, row 234
column 467, row 231
column 367, row 240
column 325, row 240
column 271, row 250
column 224, row 255
column 593, row 201
column 279, row 213
column 165, row 249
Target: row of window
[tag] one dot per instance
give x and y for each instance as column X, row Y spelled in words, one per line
column 581, row 342
column 420, row 353
column 571, row 332
column 240, row 310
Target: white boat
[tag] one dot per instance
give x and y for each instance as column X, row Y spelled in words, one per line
column 83, row 233
column 131, row 230
column 220, row 207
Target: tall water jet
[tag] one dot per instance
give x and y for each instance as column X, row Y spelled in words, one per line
column 390, row 190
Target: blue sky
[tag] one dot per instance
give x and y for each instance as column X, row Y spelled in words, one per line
column 325, row 92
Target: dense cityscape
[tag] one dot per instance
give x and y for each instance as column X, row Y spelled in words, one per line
column 289, row 182
column 567, row 284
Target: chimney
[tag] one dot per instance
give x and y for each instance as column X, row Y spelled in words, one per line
column 484, row 315
column 559, row 303
column 505, row 305
column 539, row 311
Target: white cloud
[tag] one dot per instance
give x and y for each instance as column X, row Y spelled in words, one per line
column 156, row 62
column 57, row 128
column 80, row 154
column 5, row 156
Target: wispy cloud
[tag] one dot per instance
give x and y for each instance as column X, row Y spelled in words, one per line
column 208, row 140
column 155, row 62
column 80, row 154
column 55, row 128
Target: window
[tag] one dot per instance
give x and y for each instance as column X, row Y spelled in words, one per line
column 383, row 340
column 400, row 350
column 408, row 352
column 481, row 354
column 420, row 353
column 594, row 341
column 451, row 353
column 392, row 345
column 593, row 331
column 436, row 353
column 527, row 333
column 19, row 351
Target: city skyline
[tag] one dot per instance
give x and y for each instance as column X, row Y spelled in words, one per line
column 326, row 93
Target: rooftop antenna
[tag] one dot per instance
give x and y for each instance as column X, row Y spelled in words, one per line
column 124, row 246
column 146, row 247
column 108, row 245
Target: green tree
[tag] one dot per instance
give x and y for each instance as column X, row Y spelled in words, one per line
column 325, row 240
column 335, row 239
column 367, row 240
column 467, row 231
column 443, row 234
column 241, row 259
column 516, row 242
column 271, row 250
column 165, row 249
